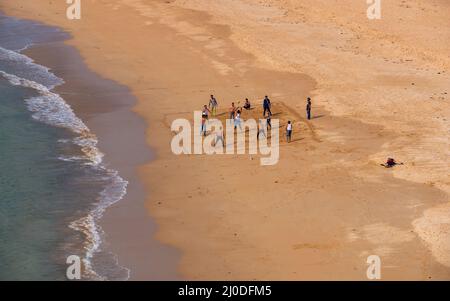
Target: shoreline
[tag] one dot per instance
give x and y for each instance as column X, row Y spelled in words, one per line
column 236, row 230
column 109, row 116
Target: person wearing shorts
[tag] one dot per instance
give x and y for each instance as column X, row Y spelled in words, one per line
column 289, row 132
column 213, row 104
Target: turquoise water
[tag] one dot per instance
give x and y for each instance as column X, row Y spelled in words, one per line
column 53, row 185
column 34, row 204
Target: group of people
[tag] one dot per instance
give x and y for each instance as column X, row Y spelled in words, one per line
column 235, row 116
column 235, row 113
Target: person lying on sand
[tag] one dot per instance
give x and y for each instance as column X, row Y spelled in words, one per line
column 390, row 163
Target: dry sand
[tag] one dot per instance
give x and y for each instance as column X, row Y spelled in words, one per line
column 379, row 88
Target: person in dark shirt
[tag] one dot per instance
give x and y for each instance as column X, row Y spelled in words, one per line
column 247, row 104
column 266, row 105
column 269, row 121
column 308, row 108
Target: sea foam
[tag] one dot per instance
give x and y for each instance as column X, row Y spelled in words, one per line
column 50, row 108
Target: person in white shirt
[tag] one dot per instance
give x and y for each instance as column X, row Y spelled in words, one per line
column 289, row 131
column 237, row 120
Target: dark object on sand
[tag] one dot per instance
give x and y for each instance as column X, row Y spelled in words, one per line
column 391, row 163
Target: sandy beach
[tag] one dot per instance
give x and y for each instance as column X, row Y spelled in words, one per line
column 380, row 88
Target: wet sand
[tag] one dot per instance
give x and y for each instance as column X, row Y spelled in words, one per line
column 327, row 204
column 105, row 106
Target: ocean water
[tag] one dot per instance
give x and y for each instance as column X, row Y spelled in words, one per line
column 54, row 186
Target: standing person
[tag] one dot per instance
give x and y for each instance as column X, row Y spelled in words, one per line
column 205, row 112
column 213, row 104
column 308, row 108
column 289, row 131
column 203, row 127
column 266, row 105
column 237, row 120
column 232, row 111
column 269, row 120
column 262, row 129
column 205, row 116
column 219, row 137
